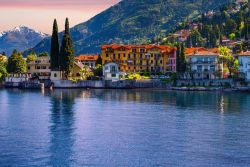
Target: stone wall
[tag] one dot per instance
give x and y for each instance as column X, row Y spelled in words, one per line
column 122, row 84
column 206, row 83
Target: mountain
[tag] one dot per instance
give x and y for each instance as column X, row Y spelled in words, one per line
column 132, row 21
column 20, row 38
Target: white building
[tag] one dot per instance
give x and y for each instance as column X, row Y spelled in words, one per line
column 204, row 63
column 244, row 65
column 87, row 60
column 40, row 67
column 111, row 71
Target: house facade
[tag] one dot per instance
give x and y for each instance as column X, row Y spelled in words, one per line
column 111, row 72
column 87, row 60
column 140, row 58
column 40, row 67
column 204, row 63
column 244, row 65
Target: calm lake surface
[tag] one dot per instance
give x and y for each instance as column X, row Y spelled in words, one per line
column 127, row 128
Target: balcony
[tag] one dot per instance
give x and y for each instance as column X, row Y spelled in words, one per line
column 203, row 62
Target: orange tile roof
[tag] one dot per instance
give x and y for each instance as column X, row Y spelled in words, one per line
column 200, row 51
column 161, row 47
column 193, row 50
column 87, row 58
column 247, row 53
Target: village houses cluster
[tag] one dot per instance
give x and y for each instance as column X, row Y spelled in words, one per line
column 118, row 60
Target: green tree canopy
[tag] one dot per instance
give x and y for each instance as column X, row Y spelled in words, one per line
column 43, row 54
column 3, row 71
column 228, row 59
column 16, row 63
column 31, row 57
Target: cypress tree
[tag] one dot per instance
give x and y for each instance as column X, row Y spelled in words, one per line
column 183, row 63
column 67, row 52
column 178, row 59
column 54, row 49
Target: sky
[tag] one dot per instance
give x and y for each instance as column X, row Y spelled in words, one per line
column 39, row 14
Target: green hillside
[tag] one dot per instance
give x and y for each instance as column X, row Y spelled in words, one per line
column 133, row 21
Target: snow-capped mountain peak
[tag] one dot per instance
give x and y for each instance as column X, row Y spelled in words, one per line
column 20, row 38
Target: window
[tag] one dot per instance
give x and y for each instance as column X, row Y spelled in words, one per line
column 113, row 56
column 107, row 55
column 113, row 69
column 134, row 50
column 129, row 56
column 28, row 67
column 199, row 68
column 212, row 60
column 55, row 75
column 124, row 55
column 212, row 68
column 140, row 56
column 142, row 50
column 119, row 56
column 199, row 60
column 160, row 61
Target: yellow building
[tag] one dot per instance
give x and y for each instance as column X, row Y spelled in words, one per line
column 140, row 58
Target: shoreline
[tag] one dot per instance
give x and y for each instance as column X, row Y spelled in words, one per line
column 179, row 89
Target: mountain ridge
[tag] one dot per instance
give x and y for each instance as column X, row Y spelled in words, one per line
column 20, row 38
column 134, row 22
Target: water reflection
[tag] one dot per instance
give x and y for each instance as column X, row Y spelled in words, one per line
column 62, row 127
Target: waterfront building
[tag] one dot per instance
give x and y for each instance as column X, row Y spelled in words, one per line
column 140, row 58
column 204, row 63
column 244, row 65
column 111, row 71
column 88, row 60
column 76, row 73
column 40, row 67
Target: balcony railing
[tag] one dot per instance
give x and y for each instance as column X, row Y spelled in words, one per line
column 203, row 62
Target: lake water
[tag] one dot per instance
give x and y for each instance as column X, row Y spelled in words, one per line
column 111, row 128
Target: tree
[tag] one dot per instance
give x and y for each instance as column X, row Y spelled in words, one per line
column 230, row 26
column 3, row 71
column 67, row 52
column 98, row 71
column 43, row 54
column 178, row 66
column 99, row 60
column 86, row 73
column 228, row 59
column 31, row 57
column 54, row 49
column 246, row 28
column 232, row 36
column 183, row 63
column 16, row 63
